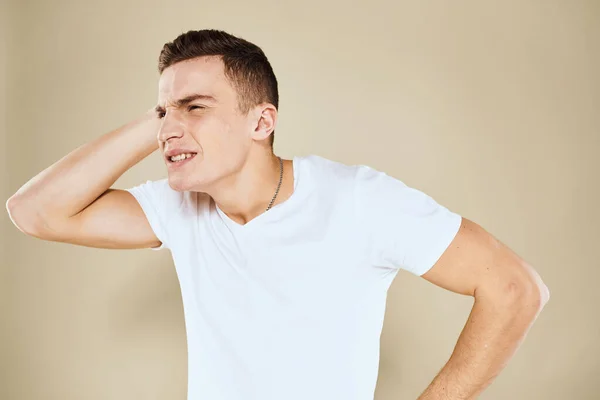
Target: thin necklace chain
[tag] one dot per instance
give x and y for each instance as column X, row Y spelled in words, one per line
column 279, row 185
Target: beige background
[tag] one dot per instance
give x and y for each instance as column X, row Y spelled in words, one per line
column 492, row 108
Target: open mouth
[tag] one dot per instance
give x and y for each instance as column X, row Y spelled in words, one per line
column 179, row 159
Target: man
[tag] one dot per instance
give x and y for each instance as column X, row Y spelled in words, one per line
column 284, row 265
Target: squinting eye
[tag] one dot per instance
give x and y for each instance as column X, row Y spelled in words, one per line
column 190, row 108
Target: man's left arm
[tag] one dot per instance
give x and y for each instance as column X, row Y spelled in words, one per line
column 509, row 295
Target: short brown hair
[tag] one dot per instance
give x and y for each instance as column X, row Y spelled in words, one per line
column 245, row 64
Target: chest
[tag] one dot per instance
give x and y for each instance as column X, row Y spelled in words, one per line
column 310, row 269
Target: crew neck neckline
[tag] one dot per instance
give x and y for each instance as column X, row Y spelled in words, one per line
column 272, row 212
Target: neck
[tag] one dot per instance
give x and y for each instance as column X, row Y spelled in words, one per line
column 247, row 193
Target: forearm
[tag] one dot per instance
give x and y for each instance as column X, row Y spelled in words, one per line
column 76, row 180
column 492, row 334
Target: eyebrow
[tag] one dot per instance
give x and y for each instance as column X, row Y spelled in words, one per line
column 188, row 99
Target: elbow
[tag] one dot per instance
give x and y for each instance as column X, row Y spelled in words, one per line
column 23, row 217
column 531, row 296
column 527, row 288
column 537, row 291
column 544, row 294
column 518, row 295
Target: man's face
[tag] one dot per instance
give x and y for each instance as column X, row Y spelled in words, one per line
column 210, row 126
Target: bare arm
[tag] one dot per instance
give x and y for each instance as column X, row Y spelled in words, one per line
column 494, row 331
column 509, row 295
column 71, row 200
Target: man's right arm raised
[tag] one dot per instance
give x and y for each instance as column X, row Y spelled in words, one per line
column 72, row 201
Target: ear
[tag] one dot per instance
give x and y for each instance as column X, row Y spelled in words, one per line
column 265, row 121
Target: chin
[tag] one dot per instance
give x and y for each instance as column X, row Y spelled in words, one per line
column 181, row 183
column 178, row 183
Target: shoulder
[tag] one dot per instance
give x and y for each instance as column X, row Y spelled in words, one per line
column 158, row 189
column 168, row 201
column 329, row 171
column 351, row 180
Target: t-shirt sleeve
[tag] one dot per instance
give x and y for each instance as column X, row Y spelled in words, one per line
column 153, row 197
column 405, row 227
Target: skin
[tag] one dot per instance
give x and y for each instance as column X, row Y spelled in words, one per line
column 235, row 164
column 508, row 297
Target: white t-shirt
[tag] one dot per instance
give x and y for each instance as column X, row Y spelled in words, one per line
column 290, row 306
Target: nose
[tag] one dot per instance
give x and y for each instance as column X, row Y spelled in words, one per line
column 171, row 126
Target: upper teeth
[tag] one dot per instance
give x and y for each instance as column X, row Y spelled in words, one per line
column 180, row 157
